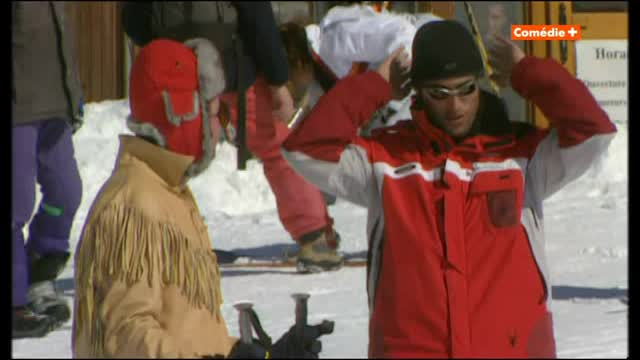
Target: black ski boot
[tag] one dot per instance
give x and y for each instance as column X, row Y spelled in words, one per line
column 43, row 297
column 27, row 324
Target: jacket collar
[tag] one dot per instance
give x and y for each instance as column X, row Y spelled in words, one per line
column 491, row 130
column 169, row 166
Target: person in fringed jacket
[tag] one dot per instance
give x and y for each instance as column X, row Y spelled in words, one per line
column 147, row 282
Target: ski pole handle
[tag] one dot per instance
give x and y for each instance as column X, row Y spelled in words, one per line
column 244, row 321
column 301, row 312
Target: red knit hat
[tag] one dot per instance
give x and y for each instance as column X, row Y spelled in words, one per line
column 170, row 86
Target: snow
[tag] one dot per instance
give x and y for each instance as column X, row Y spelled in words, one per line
column 586, row 225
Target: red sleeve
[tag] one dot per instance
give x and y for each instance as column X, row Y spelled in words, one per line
column 333, row 123
column 563, row 99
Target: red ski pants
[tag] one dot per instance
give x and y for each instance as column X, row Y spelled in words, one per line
column 301, row 207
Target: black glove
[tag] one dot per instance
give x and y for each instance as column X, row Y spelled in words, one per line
column 292, row 346
column 289, row 346
column 254, row 350
column 244, row 351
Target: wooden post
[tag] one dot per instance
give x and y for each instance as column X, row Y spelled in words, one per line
column 99, row 48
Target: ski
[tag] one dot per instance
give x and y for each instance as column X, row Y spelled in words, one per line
column 230, row 259
column 283, row 264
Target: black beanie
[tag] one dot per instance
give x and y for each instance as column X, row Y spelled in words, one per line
column 443, row 49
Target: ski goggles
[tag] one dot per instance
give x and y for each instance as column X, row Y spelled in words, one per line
column 441, row 92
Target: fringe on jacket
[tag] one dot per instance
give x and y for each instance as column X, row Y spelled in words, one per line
column 122, row 244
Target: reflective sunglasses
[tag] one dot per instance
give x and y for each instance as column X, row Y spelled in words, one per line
column 441, row 92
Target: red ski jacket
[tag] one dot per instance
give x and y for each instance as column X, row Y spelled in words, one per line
column 456, row 241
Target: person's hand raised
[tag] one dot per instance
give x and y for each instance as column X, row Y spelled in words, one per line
column 503, row 56
column 395, row 70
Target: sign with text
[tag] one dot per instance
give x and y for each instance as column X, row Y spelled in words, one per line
column 602, row 66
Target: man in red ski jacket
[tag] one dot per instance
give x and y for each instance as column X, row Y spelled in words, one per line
column 455, row 223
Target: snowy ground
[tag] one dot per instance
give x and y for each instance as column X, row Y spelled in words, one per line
column 586, row 227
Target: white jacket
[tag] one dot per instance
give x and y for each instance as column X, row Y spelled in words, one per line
column 357, row 33
column 360, row 34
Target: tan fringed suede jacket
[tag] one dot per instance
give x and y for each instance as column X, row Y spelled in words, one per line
column 147, row 282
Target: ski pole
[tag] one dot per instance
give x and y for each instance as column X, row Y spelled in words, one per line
column 301, row 312
column 244, row 321
column 295, row 119
column 483, row 52
column 300, row 112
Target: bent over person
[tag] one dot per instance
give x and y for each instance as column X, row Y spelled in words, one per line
column 455, row 219
column 147, row 282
